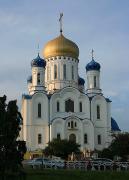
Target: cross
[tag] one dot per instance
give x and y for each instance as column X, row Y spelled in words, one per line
column 60, row 20
column 38, row 48
column 92, row 53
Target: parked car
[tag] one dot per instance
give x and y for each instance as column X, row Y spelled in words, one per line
column 59, row 163
column 36, row 162
column 103, row 160
column 46, row 163
column 50, row 163
column 122, row 165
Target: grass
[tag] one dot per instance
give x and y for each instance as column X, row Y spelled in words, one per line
column 76, row 175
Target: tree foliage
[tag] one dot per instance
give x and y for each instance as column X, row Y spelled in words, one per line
column 11, row 149
column 61, row 148
column 119, row 147
column 106, row 153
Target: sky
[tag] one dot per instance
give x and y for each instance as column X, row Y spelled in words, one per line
column 99, row 24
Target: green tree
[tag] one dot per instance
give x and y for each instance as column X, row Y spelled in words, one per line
column 11, row 149
column 105, row 153
column 61, row 148
column 120, row 145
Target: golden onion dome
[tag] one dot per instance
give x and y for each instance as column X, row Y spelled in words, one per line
column 61, row 46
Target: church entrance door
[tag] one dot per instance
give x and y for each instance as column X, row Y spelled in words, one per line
column 72, row 137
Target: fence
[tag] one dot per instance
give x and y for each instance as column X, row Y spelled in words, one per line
column 92, row 165
column 84, row 165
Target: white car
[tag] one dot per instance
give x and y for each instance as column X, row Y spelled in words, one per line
column 50, row 163
column 46, row 163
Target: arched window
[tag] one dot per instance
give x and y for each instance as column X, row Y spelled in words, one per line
column 94, row 81
column 68, row 124
column 99, row 139
column 72, row 72
column 85, row 139
column 72, row 137
column 38, row 78
column 64, row 71
column 69, row 105
column 98, row 112
column 58, row 106
column 80, row 106
column 39, row 138
column 39, row 110
column 55, row 71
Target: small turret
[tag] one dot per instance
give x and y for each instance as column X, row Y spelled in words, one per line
column 93, row 76
column 36, row 82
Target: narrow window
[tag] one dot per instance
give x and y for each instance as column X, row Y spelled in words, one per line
column 68, row 124
column 55, row 71
column 85, row 139
column 69, row 105
column 71, row 124
column 38, row 78
column 75, row 124
column 39, row 138
column 98, row 112
column 39, row 110
column 58, row 136
column 80, row 106
column 58, row 106
column 99, row 139
column 64, row 71
column 48, row 73
column 94, row 81
column 72, row 72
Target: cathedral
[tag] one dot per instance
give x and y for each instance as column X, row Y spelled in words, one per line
column 59, row 105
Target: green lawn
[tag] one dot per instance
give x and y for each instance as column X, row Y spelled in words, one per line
column 76, row 175
column 35, row 174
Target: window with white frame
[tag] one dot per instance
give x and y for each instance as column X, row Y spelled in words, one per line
column 39, row 138
column 72, row 72
column 69, row 105
column 80, row 106
column 55, row 71
column 98, row 111
column 39, row 110
column 38, row 78
column 58, row 106
column 99, row 139
column 64, row 71
column 85, row 139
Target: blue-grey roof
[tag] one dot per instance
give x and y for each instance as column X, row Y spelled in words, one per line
column 93, row 65
column 26, row 96
column 81, row 81
column 29, row 79
column 38, row 62
column 114, row 125
column 108, row 100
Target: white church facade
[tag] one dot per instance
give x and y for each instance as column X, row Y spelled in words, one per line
column 59, row 105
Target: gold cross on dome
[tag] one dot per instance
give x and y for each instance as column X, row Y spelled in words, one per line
column 60, row 20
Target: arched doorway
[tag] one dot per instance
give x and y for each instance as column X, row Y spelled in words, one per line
column 72, row 137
